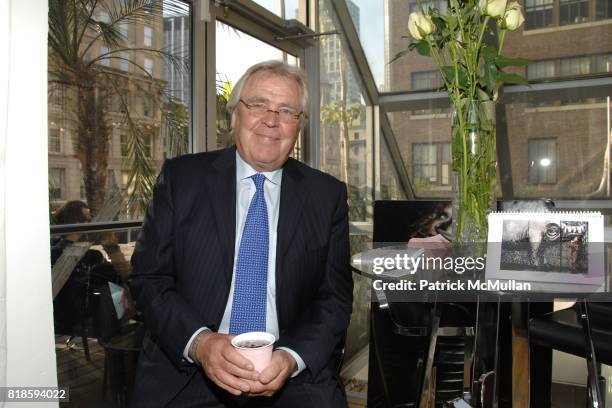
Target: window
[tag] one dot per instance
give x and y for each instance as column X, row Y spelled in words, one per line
column 57, row 183
column 573, row 11
column 426, row 80
column 570, row 67
column 603, row 9
column 603, row 63
column 431, row 164
column 575, row 66
column 543, row 161
column 54, row 139
column 441, row 5
column 124, row 30
column 148, row 36
column 147, row 105
column 125, row 178
column 538, row 13
column 146, row 140
column 148, row 65
column 541, row 69
column 105, row 61
column 103, row 17
column 111, row 182
column 124, row 61
column 124, row 144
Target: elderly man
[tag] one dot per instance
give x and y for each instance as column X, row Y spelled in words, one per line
column 245, row 239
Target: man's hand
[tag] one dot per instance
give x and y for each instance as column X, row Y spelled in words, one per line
column 224, row 365
column 274, row 376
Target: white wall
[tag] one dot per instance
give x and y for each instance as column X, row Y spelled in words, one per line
column 29, row 317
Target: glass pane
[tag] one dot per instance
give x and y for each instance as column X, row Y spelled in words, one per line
column 287, row 9
column 123, row 113
column 116, row 111
column 346, row 153
column 346, row 133
column 369, row 20
column 559, row 148
column 390, row 187
column 246, row 51
column 423, row 137
column 399, row 73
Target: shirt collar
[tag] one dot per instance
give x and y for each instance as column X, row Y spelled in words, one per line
column 244, row 170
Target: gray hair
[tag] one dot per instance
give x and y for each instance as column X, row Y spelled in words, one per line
column 273, row 67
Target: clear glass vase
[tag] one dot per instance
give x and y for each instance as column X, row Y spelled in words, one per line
column 474, row 161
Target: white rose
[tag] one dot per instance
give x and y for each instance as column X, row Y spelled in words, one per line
column 419, row 20
column 493, row 8
column 513, row 18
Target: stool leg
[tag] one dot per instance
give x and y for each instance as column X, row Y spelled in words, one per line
column 424, row 398
column 594, row 389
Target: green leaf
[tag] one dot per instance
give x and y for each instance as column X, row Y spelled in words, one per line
column 449, row 74
column 491, row 74
column 489, row 53
column 512, row 78
column 482, row 95
column 422, row 48
column 502, row 61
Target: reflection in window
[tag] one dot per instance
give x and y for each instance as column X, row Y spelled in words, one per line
column 573, row 11
column 543, row 161
column 98, row 110
column 538, row 13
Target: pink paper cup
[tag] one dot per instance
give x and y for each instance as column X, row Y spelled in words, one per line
column 256, row 346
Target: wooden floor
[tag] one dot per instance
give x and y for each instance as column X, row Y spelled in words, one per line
column 84, row 378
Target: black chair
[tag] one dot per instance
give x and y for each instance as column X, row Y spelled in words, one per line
column 583, row 330
column 121, row 340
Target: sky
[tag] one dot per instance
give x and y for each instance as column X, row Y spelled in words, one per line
column 233, row 64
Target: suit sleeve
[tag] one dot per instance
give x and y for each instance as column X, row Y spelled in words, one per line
column 325, row 320
column 170, row 320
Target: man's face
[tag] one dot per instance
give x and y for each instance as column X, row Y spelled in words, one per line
column 264, row 141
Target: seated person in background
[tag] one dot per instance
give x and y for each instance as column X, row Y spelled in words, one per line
column 71, row 305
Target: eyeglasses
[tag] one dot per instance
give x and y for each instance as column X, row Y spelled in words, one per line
column 285, row 115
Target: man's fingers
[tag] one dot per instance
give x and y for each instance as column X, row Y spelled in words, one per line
column 237, row 359
column 230, row 383
column 271, row 372
column 240, row 372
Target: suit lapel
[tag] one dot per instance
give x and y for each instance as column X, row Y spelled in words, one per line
column 292, row 200
column 222, row 193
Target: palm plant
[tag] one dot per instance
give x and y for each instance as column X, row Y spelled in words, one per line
column 75, row 32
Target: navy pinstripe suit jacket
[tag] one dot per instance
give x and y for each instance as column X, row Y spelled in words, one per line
column 183, row 260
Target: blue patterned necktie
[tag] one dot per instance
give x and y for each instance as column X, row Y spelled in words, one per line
column 249, row 303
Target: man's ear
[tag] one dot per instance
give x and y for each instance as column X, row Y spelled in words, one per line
column 233, row 121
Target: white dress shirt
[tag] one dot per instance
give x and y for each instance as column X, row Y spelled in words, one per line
column 245, row 190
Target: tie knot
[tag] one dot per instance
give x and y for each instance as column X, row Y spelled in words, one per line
column 258, row 179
